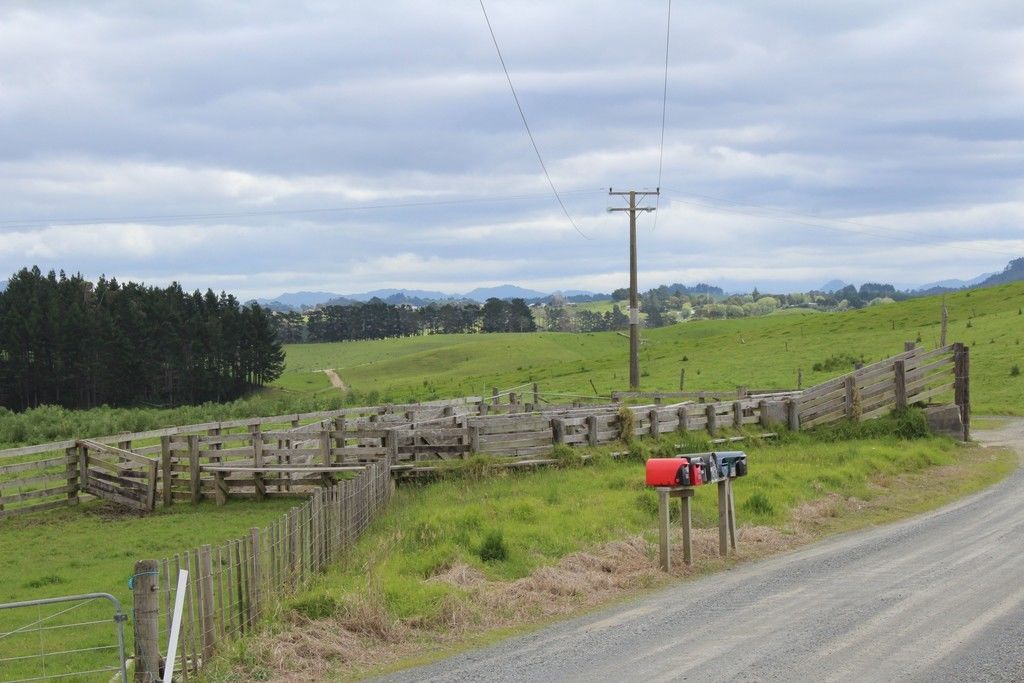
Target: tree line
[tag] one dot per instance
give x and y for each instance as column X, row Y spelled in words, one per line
column 379, row 320
column 71, row 342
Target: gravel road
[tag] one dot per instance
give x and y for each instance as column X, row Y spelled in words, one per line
column 939, row 597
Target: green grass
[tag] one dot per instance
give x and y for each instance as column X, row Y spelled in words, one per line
column 92, row 548
column 509, row 524
column 763, row 352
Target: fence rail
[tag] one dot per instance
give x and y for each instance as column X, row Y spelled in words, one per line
column 230, row 459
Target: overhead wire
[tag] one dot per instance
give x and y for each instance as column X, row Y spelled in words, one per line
column 526, row 125
column 664, row 109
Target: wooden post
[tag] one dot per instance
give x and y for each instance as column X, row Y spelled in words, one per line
column 146, row 603
column 737, row 415
column 193, row 468
column 536, row 395
column 687, row 523
column 732, row 515
column 945, row 324
column 793, row 414
column 339, row 426
column 900, row 372
column 592, row 438
column 655, row 428
column 293, row 548
column 558, row 430
column 850, row 384
column 709, row 411
column 908, row 346
column 205, row 581
column 799, row 378
column 474, row 438
column 325, row 447
column 684, row 418
column 166, row 470
column 256, row 575
column 71, row 471
column 682, row 378
column 741, row 391
column 391, row 443
column 494, row 396
column 962, row 385
column 723, row 517
column 762, row 413
column 221, row 487
column 663, row 529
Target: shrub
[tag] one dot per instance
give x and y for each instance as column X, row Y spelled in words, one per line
column 627, row 423
column 566, row 455
column 840, row 361
column 493, row 549
column 316, row 606
column 758, row 504
column 1015, row 370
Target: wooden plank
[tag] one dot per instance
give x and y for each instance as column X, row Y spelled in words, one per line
column 39, row 507
column 931, row 393
column 34, row 465
column 32, row 495
column 284, row 468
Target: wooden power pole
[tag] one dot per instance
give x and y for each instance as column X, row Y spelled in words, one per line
column 634, row 306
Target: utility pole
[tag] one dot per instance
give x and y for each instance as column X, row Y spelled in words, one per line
column 634, row 306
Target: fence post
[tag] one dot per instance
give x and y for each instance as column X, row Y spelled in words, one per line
column 850, row 385
column 558, row 430
column 712, row 426
column 684, row 418
column 900, row 371
column 193, row 467
column 254, row 576
column 205, row 569
column 737, row 413
column 483, row 407
column 293, row 549
column 71, row 469
column 494, row 396
column 762, row 409
column 592, row 430
column 325, row 447
column 146, row 601
column 474, row 437
column 793, row 414
column 536, row 395
column 909, row 346
column 391, row 442
column 962, row 385
column 655, row 427
column 166, row 471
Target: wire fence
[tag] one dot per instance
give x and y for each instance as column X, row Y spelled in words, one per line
column 35, row 637
column 232, row 586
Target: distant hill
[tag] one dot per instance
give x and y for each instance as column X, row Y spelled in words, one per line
column 1013, row 271
column 955, row 283
column 300, row 299
column 402, row 294
column 832, row 286
column 482, row 294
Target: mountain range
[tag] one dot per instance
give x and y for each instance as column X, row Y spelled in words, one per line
column 1014, row 270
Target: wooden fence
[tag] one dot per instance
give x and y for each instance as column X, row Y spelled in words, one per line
column 232, row 586
column 245, row 458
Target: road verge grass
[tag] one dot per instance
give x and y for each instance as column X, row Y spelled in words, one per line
column 480, row 554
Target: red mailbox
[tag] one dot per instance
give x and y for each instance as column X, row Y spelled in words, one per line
column 668, row 472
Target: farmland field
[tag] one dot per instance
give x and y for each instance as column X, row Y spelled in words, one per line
column 760, row 352
column 763, row 352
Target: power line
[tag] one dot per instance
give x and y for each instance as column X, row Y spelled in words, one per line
column 526, row 125
column 664, row 108
column 880, row 235
column 39, row 222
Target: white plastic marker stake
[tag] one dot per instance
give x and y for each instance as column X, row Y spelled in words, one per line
column 172, row 644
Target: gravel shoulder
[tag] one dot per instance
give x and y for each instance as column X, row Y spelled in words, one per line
column 935, row 597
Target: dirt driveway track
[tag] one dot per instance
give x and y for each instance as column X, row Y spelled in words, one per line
column 939, row 597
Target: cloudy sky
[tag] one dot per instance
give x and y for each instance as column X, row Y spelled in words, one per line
column 262, row 147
